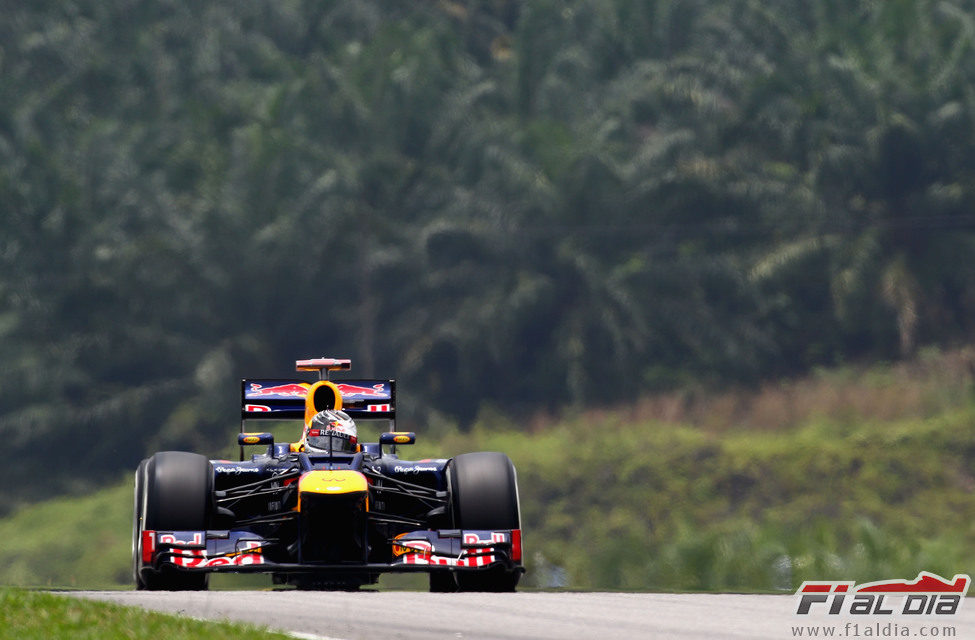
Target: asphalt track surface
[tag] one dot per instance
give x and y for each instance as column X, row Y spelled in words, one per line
column 399, row 615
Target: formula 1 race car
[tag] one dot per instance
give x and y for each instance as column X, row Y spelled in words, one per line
column 323, row 517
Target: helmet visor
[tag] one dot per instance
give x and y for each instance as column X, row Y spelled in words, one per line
column 329, row 441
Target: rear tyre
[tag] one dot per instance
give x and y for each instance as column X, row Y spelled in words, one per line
column 483, row 491
column 177, row 495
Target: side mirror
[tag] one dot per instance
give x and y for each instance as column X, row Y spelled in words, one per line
column 397, row 437
column 255, row 438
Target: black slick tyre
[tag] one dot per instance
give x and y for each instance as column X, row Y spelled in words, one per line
column 483, row 490
column 443, row 582
column 176, row 495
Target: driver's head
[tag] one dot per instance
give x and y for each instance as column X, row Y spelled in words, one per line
column 331, row 431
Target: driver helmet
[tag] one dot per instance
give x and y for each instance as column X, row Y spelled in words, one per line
column 331, row 431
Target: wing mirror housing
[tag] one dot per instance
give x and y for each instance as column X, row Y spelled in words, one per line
column 394, row 438
column 397, row 437
column 255, row 438
column 247, row 439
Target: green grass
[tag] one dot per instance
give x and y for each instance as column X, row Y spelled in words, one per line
column 70, row 542
column 26, row 615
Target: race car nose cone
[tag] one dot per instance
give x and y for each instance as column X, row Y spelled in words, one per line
column 339, row 482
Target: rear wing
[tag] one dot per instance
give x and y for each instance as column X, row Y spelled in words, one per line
column 279, row 399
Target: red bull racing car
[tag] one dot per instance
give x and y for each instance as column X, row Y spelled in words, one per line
column 327, row 512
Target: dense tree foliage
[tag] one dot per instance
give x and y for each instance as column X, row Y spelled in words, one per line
column 527, row 204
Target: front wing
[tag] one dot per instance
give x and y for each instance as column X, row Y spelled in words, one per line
column 242, row 552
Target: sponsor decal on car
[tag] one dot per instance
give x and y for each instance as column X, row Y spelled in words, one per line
column 421, row 553
column 475, row 550
column 413, row 469
column 355, row 391
column 191, row 558
column 290, row 390
column 235, row 469
column 198, row 552
column 257, row 408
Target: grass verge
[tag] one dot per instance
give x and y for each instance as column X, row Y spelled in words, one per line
column 26, row 615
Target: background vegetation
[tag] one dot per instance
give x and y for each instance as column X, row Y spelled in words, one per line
column 524, row 206
column 797, row 481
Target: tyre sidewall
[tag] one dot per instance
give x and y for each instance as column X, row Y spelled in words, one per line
column 138, row 512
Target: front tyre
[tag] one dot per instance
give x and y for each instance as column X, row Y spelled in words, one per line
column 483, row 491
column 443, row 582
column 137, row 527
column 176, row 495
